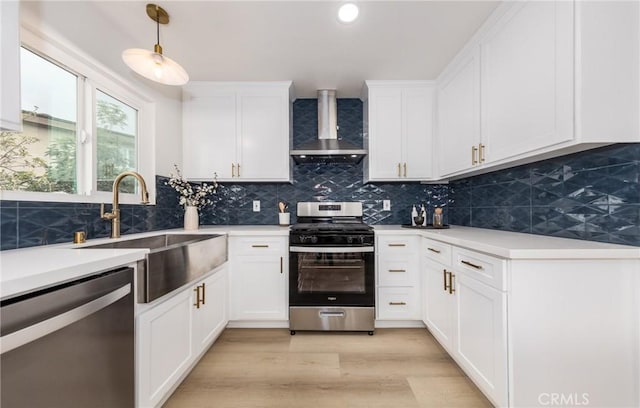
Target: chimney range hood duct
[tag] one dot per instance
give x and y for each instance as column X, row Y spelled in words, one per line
column 327, row 148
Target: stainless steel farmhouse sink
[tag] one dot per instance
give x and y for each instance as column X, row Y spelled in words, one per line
column 174, row 260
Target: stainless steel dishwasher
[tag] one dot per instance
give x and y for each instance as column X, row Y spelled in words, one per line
column 71, row 345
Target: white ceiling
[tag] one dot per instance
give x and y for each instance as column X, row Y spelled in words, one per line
column 279, row 40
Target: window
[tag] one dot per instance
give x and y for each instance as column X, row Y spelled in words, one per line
column 116, row 124
column 82, row 126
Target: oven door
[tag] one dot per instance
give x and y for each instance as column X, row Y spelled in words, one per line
column 327, row 276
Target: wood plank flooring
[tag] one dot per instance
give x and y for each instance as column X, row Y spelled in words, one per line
column 399, row 368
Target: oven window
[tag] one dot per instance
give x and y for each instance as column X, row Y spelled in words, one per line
column 331, row 273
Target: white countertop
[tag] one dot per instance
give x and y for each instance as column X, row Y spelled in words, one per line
column 28, row 269
column 516, row 245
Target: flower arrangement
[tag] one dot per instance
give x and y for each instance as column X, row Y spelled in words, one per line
column 190, row 194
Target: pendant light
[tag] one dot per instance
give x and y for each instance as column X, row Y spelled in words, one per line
column 152, row 64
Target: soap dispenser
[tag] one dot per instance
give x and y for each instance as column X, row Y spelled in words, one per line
column 423, row 213
column 414, row 214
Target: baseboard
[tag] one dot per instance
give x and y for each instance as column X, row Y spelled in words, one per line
column 258, row 324
column 399, row 324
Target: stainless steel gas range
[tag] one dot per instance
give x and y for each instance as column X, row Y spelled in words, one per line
column 331, row 269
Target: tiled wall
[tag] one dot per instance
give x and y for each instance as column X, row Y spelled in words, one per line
column 592, row 195
column 323, row 182
column 26, row 224
column 29, row 223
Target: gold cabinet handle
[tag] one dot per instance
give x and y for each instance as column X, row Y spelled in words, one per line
column 399, row 170
column 481, row 152
column 452, row 289
column 434, row 250
column 204, row 292
column 197, row 290
column 281, row 261
column 474, row 151
column 397, row 270
column 444, row 279
column 405, row 169
column 397, row 245
column 471, row 264
column 397, row 303
column 238, row 169
column 259, row 246
column 233, row 170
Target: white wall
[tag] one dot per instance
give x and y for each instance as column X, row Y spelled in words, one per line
column 82, row 26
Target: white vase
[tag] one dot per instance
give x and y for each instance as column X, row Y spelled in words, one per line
column 191, row 220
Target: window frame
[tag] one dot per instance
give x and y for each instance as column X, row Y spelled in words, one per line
column 93, row 76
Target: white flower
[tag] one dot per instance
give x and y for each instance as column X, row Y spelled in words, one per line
column 192, row 195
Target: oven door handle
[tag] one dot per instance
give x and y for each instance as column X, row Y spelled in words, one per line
column 331, row 250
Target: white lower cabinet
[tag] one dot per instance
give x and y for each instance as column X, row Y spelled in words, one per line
column 480, row 342
column 467, row 316
column 397, row 278
column 259, row 278
column 172, row 335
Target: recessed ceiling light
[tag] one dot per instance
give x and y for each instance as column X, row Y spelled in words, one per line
column 348, row 12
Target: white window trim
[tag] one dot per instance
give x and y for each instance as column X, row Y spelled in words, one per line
column 96, row 75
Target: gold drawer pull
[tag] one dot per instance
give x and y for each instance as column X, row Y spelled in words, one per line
column 452, row 288
column 259, row 246
column 399, row 170
column 397, row 303
column 204, row 292
column 405, row 169
column 397, row 270
column 397, row 245
column 197, row 290
column 474, row 151
column 444, row 279
column 434, row 250
column 481, row 152
column 470, row 264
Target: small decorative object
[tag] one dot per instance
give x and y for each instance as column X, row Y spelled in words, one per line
column 414, row 214
column 419, row 220
column 438, row 218
column 283, row 216
column 192, row 196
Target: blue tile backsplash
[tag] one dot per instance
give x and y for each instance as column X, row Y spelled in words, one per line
column 593, row 195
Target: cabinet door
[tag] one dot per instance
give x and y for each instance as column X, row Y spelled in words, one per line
column 527, row 79
column 264, row 137
column 211, row 318
column 481, row 341
column 209, row 136
column 418, row 133
column 459, row 117
column 164, row 347
column 10, row 111
column 259, row 288
column 385, row 133
column 439, row 307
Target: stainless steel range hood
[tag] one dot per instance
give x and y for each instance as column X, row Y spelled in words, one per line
column 327, row 148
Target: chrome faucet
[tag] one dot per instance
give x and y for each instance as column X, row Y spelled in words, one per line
column 114, row 215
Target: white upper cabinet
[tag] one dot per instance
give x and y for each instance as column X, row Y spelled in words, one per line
column 10, row 111
column 240, row 131
column 459, row 117
column 540, row 79
column 527, row 72
column 398, row 125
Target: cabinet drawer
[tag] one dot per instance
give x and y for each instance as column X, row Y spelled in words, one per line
column 398, row 271
column 398, row 304
column 390, row 245
column 258, row 245
column 485, row 268
column 437, row 251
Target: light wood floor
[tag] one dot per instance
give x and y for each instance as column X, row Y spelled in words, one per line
column 399, row 368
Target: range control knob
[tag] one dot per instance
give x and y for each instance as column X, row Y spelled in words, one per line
column 313, row 239
column 349, row 239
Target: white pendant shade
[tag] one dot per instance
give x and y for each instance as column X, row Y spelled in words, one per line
column 155, row 66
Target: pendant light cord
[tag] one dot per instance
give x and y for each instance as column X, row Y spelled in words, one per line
column 157, row 25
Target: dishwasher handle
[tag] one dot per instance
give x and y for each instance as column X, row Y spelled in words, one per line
column 43, row 328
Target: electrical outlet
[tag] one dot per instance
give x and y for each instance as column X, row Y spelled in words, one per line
column 256, row 205
column 386, row 205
